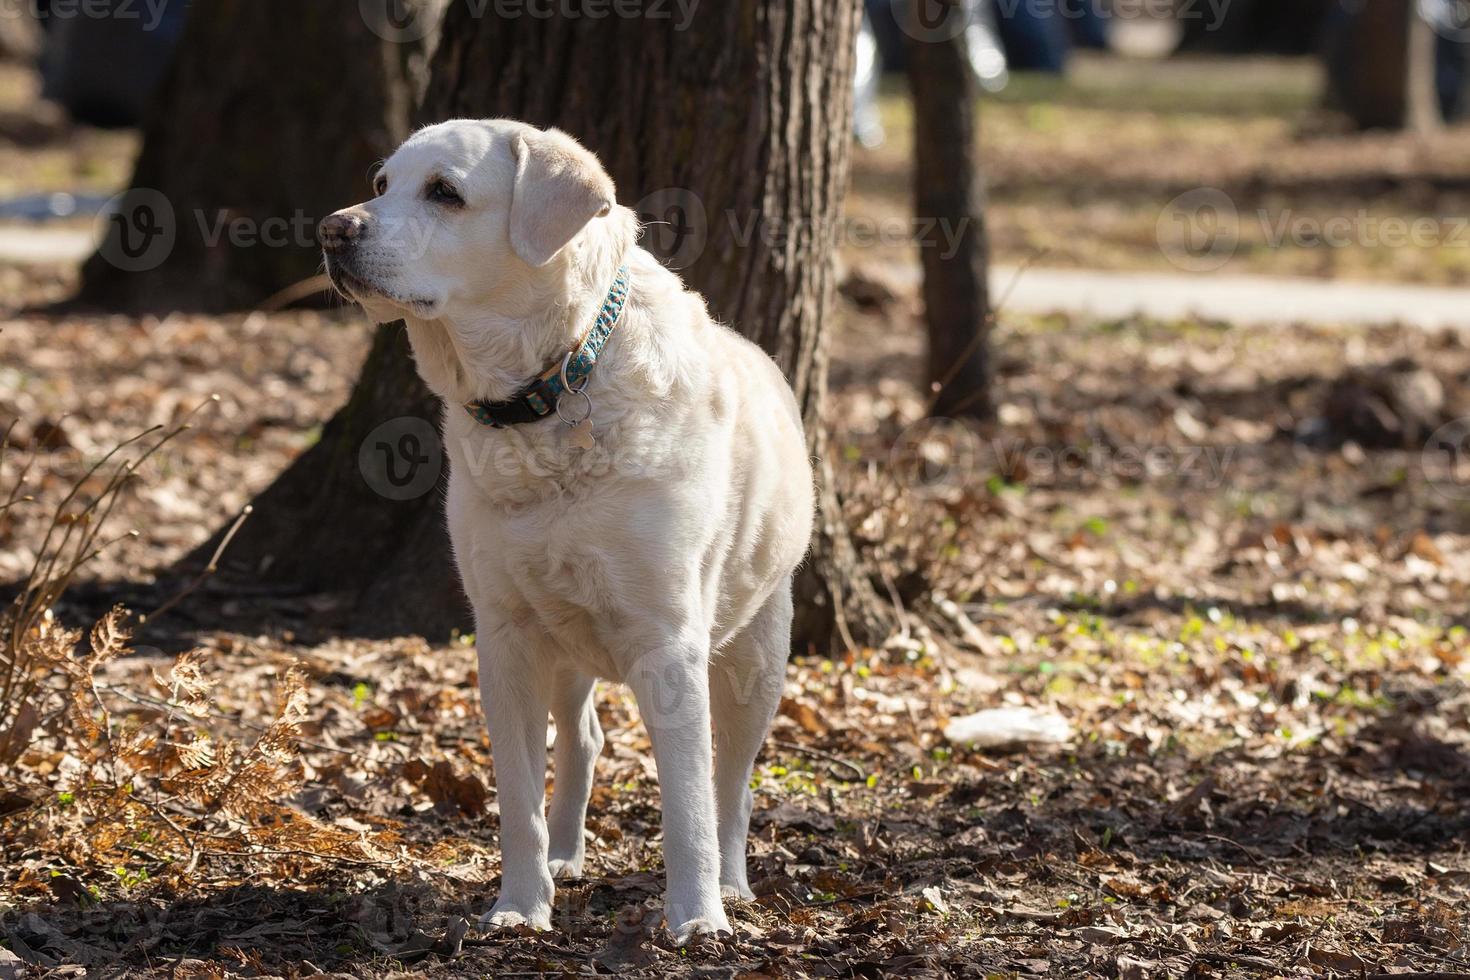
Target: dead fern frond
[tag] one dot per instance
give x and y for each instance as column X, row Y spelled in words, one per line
column 197, row 754
column 187, row 675
column 110, row 637
column 187, row 686
column 154, row 766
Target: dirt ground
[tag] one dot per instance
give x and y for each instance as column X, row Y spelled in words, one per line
column 1248, row 600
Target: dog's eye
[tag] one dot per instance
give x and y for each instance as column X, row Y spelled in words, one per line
column 443, row 193
column 380, row 185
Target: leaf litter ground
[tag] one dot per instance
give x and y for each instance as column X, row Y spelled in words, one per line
column 1262, row 654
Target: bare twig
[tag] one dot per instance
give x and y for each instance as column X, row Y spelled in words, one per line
column 209, row 569
column 819, row 754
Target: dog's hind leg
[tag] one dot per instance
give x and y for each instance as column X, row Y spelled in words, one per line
column 578, row 742
column 746, row 680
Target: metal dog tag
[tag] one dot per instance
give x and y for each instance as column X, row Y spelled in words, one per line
column 580, row 437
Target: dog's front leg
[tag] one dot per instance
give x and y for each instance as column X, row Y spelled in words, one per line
column 672, row 691
column 515, row 695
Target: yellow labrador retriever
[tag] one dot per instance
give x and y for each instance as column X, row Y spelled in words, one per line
column 629, row 491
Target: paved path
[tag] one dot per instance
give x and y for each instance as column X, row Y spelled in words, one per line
column 1228, row 298
column 29, row 244
column 1216, row 296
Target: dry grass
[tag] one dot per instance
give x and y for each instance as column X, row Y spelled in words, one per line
column 1081, row 171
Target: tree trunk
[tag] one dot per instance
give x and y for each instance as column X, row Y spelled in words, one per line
column 949, row 201
column 1295, row 27
column 1382, row 68
column 735, row 129
column 273, row 110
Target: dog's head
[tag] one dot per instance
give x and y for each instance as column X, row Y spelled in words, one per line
column 461, row 210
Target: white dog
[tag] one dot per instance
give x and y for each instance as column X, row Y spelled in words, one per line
column 629, row 491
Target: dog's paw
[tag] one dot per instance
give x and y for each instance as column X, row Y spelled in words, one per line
column 694, row 930
column 738, row 892
column 503, row 916
column 565, row 867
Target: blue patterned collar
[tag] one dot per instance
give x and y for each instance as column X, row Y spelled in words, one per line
column 568, row 375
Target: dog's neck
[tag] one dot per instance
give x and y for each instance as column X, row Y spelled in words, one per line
column 527, row 323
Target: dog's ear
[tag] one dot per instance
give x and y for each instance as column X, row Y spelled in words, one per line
column 559, row 188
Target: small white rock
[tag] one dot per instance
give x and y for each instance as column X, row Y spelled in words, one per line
column 1008, row 726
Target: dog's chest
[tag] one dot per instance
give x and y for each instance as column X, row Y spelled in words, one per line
column 542, row 568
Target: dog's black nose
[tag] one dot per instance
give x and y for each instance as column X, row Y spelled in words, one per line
column 338, row 231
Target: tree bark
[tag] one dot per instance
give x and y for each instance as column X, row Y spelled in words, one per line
column 1381, row 69
column 735, row 128
column 272, row 111
column 949, row 201
column 1249, row 26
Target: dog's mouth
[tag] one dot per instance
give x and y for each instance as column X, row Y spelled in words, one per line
column 358, row 290
column 350, row 286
